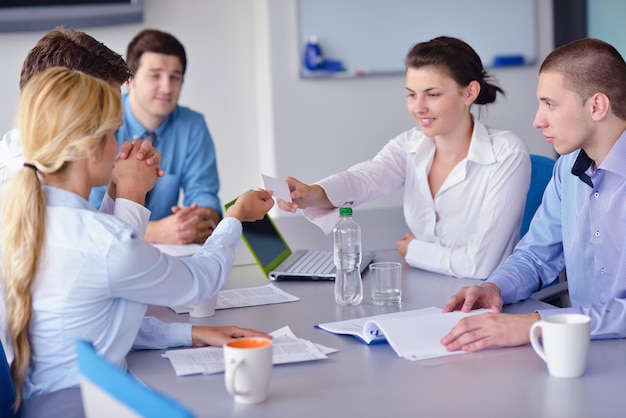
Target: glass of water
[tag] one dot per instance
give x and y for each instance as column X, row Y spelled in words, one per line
column 386, row 283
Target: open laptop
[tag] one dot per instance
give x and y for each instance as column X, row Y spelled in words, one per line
column 279, row 262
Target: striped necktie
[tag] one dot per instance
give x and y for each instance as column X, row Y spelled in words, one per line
column 149, row 135
column 152, row 137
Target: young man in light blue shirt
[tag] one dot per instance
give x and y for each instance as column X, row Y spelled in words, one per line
column 580, row 223
column 151, row 110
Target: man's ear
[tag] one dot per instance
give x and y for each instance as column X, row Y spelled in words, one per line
column 599, row 106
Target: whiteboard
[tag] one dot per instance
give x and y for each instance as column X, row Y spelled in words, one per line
column 374, row 36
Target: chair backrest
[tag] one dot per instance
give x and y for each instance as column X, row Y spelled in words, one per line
column 540, row 173
column 108, row 391
column 7, row 390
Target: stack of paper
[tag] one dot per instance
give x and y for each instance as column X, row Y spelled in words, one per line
column 287, row 348
column 248, row 296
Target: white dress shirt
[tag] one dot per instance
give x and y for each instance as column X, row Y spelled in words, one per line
column 96, row 281
column 11, row 158
column 472, row 223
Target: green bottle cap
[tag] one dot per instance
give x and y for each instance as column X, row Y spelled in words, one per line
column 345, row 211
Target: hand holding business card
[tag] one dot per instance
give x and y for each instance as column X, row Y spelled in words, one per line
column 279, row 188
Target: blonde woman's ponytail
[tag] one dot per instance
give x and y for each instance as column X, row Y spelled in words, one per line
column 23, row 231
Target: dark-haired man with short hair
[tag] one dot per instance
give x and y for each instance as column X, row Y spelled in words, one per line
column 180, row 135
column 580, row 223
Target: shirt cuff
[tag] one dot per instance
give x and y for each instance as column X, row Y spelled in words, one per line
column 227, row 233
column 325, row 219
column 180, row 335
column 135, row 215
column 156, row 334
column 107, row 204
column 508, row 290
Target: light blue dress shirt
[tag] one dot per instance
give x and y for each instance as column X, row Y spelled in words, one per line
column 96, row 281
column 187, row 157
column 582, row 228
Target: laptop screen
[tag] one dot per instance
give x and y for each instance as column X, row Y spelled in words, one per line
column 266, row 244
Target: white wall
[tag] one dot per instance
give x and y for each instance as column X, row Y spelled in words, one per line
column 219, row 37
column 243, row 75
column 323, row 125
column 606, row 22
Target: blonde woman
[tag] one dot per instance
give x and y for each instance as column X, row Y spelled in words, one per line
column 71, row 272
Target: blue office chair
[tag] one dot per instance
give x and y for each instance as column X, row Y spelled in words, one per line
column 108, row 391
column 540, row 174
column 7, row 390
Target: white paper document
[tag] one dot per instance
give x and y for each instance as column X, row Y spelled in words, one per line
column 287, row 348
column 248, row 296
column 414, row 335
column 279, row 188
column 176, row 250
column 366, row 330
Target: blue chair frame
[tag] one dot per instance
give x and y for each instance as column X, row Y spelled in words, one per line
column 7, row 389
column 540, row 175
column 124, row 387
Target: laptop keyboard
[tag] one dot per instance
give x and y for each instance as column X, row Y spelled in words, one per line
column 320, row 262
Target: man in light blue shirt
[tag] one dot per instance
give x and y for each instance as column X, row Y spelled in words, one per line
column 179, row 134
column 580, row 224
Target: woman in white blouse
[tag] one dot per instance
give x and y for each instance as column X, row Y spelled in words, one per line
column 69, row 271
column 464, row 184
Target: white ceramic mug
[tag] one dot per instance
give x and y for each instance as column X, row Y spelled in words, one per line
column 248, row 369
column 564, row 343
column 205, row 308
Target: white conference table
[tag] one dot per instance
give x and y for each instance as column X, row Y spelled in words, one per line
column 372, row 381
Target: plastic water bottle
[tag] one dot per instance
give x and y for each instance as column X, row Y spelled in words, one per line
column 347, row 255
column 313, row 55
